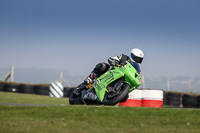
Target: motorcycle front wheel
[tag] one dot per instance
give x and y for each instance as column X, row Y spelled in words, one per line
column 123, row 92
column 75, row 99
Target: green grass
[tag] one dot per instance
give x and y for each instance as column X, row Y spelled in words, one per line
column 75, row 119
column 32, row 99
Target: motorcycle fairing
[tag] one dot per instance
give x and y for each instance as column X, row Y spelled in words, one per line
column 104, row 80
column 89, row 95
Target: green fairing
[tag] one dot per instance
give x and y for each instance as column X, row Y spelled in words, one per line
column 132, row 77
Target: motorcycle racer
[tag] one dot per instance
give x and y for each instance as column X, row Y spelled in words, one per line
column 137, row 55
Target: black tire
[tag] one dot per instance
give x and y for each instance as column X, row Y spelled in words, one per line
column 124, row 92
column 2, row 86
column 165, row 98
column 173, row 99
column 75, row 99
column 28, row 89
column 174, row 96
column 125, row 98
column 190, row 101
column 66, row 91
column 42, row 89
column 198, row 101
column 12, row 88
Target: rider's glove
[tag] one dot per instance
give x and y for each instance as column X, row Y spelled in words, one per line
column 112, row 61
column 88, row 80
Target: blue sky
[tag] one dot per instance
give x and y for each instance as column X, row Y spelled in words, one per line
column 74, row 35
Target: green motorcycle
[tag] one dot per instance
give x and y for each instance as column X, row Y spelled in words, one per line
column 110, row 88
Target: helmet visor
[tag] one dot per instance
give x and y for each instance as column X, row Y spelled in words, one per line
column 136, row 58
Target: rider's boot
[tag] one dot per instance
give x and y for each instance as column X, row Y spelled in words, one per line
column 88, row 82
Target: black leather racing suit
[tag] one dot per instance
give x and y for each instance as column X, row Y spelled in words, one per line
column 101, row 68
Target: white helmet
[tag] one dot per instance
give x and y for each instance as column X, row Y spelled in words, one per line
column 137, row 55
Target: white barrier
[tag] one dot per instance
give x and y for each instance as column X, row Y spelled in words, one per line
column 152, row 94
column 135, row 94
column 144, row 98
column 152, row 98
column 56, row 90
column 134, row 99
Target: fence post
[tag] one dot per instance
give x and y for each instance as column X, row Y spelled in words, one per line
column 61, row 77
column 143, row 82
column 62, row 80
column 11, row 73
column 168, row 85
column 189, row 86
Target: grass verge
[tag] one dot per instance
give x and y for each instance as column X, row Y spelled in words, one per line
column 73, row 119
column 6, row 97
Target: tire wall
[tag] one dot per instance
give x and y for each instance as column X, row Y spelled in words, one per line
column 11, row 87
column 190, row 101
column 177, row 100
column 2, row 86
column 172, row 99
column 26, row 88
column 198, row 101
column 40, row 89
